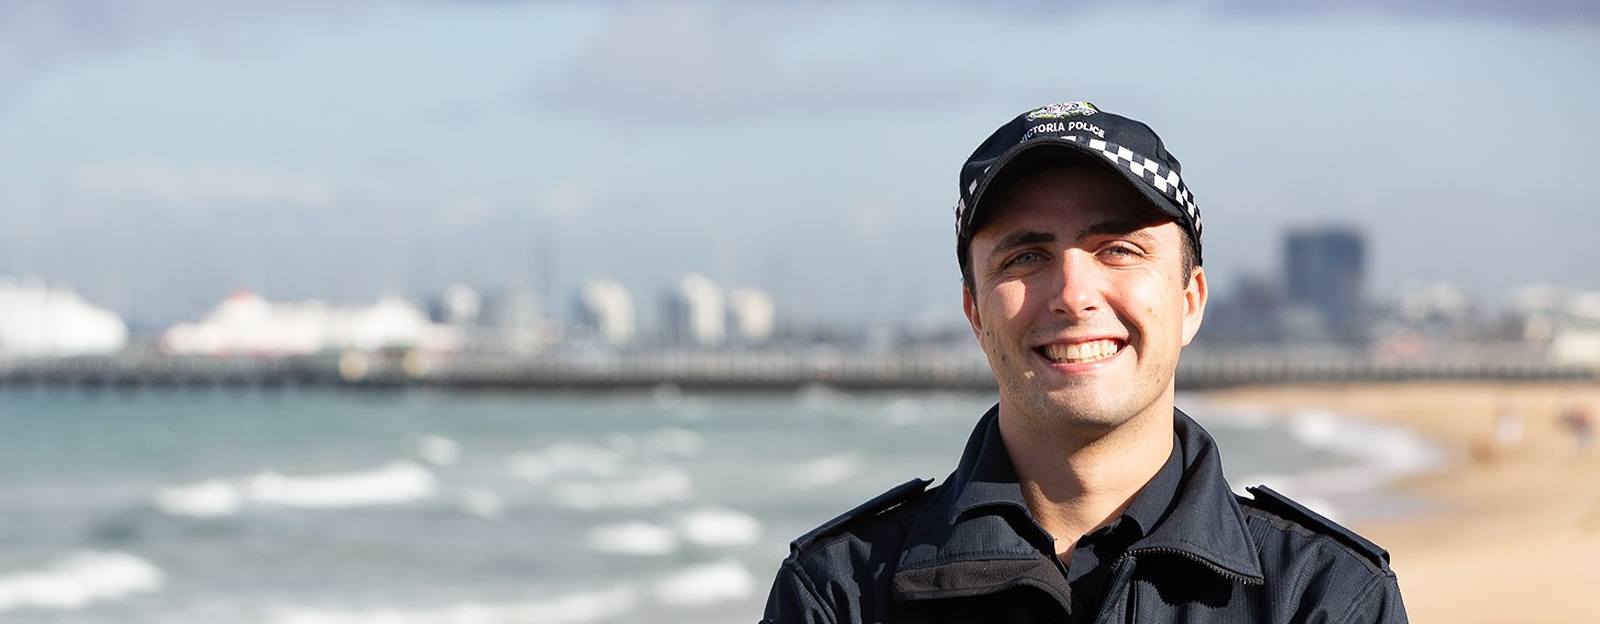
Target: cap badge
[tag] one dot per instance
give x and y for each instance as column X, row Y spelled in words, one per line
column 1063, row 109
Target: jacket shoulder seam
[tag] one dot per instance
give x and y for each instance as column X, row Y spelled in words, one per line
column 1284, row 512
column 877, row 506
column 1289, row 525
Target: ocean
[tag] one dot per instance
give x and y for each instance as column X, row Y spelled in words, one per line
column 327, row 507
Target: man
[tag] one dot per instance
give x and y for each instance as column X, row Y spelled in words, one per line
column 1084, row 495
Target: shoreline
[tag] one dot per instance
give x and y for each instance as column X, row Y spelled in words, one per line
column 1364, row 458
column 1523, row 514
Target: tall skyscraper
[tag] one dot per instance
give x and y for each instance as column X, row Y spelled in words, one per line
column 1326, row 272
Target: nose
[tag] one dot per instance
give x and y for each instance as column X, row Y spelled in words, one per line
column 1080, row 293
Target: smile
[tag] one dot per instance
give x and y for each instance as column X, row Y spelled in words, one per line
column 1080, row 352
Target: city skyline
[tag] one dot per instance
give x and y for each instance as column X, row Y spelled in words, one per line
column 158, row 158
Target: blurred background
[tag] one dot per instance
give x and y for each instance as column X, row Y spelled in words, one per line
column 499, row 311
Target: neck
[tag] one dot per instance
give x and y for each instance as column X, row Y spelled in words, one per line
column 1075, row 483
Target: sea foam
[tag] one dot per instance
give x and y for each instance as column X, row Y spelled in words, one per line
column 1375, row 454
column 659, row 485
column 573, row 609
column 704, row 584
column 565, row 459
column 79, row 579
column 825, row 471
column 633, row 538
column 214, row 497
column 399, row 482
column 715, row 527
column 482, row 503
column 439, row 450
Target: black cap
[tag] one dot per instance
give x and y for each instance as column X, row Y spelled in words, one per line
column 1069, row 133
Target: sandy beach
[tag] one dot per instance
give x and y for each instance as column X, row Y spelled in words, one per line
column 1511, row 529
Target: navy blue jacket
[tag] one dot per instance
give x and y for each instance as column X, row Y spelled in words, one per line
column 970, row 551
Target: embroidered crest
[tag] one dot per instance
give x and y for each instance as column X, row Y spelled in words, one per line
column 1063, row 109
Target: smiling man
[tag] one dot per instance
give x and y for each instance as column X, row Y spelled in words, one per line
column 1085, row 495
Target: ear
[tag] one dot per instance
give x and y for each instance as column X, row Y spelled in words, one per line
column 1194, row 304
column 969, row 306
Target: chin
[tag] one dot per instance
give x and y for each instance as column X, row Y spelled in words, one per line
column 1085, row 409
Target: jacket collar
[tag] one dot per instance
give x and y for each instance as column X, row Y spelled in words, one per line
column 980, row 515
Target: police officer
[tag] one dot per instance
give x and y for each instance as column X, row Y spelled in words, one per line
column 1085, row 495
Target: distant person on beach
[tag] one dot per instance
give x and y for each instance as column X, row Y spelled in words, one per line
column 1579, row 424
column 1084, row 495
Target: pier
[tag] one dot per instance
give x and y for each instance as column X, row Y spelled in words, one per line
column 778, row 371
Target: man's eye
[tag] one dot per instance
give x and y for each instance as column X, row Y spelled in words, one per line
column 1119, row 251
column 1024, row 257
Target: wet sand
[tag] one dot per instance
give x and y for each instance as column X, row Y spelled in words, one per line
column 1511, row 532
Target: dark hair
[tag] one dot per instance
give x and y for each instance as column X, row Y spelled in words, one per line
column 1191, row 259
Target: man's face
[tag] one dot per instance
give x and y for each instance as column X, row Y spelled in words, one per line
column 1080, row 303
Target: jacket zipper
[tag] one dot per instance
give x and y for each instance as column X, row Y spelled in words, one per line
column 1187, row 555
column 1132, row 606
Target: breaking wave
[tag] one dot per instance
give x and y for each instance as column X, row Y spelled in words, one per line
column 78, row 580
column 573, row 609
column 399, row 482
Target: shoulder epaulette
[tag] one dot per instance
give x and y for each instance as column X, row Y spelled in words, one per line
column 1269, row 500
column 879, row 504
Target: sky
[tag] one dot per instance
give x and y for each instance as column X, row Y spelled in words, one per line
column 157, row 155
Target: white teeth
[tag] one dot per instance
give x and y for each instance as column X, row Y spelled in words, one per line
column 1082, row 351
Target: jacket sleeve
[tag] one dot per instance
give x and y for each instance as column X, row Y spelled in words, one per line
column 794, row 600
column 1380, row 604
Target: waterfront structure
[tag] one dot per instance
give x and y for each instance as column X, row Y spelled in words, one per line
column 1325, row 282
column 248, row 324
column 605, row 311
column 693, row 312
column 39, row 320
column 751, row 316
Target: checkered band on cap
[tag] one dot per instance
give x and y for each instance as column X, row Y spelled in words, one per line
column 1160, row 177
column 1153, row 173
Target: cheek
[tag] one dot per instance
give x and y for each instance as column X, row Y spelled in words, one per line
column 1008, row 301
column 1159, row 305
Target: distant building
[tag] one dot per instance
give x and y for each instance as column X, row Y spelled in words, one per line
column 511, row 322
column 247, row 324
column 751, row 315
column 459, row 304
column 693, row 312
column 511, row 308
column 1325, row 282
column 1253, row 313
column 1566, row 321
column 1436, row 304
column 605, row 312
column 37, row 320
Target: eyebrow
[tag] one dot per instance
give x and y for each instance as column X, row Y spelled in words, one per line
column 1117, row 227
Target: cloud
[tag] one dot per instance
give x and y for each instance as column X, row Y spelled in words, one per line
column 200, row 185
column 1528, row 11
column 36, row 35
column 715, row 60
column 38, row 30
